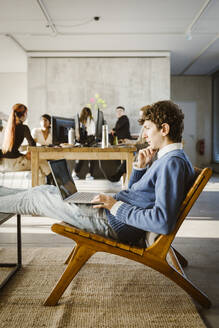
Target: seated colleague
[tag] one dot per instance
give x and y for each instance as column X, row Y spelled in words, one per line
column 139, row 144
column 152, row 200
column 122, row 126
column 42, row 136
column 87, row 120
column 15, row 133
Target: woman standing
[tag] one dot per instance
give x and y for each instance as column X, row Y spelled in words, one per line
column 15, row 133
column 87, row 120
column 42, row 135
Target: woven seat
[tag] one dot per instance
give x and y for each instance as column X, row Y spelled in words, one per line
column 154, row 256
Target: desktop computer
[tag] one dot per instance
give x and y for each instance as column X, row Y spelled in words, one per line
column 60, row 127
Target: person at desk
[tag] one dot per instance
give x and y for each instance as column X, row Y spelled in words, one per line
column 15, row 133
column 42, row 136
column 122, row 126
column 139, row 144
column 87, row 120
column 151, row 202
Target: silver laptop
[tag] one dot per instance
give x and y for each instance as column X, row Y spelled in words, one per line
column 66, row 185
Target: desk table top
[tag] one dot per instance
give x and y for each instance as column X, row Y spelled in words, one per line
column 118, row 148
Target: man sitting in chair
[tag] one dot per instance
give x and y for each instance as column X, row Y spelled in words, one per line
column 151, row 202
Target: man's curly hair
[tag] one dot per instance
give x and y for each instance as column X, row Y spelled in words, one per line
column 166, row 111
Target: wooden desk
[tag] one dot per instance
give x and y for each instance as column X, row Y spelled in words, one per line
column 83, row 153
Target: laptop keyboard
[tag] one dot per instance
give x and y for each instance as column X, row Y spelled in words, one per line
column 84, row 197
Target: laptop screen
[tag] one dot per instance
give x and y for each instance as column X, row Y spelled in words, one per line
column 62, row 178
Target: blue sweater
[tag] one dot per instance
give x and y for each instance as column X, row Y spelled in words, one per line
column 153, row 199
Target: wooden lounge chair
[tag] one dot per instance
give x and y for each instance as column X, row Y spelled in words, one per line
column 154, row 256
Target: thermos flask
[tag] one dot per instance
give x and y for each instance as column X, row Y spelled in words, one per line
column 105, row 136
column 71, row 136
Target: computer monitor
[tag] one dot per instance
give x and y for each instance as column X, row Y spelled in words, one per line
column 99, row 123
column 60, row 127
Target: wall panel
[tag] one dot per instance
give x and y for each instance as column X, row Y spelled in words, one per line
column 62, row 86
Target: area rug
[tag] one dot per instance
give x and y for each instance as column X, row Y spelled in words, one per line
column 109, row 291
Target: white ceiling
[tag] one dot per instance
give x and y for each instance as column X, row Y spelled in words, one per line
column 124, row 26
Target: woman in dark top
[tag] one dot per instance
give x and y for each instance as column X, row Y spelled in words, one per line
column 86, row 118
column 15, row 133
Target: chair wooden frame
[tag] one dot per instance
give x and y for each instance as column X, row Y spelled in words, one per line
column 154, row 256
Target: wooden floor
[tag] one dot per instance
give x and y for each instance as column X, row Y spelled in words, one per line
column 197, row 240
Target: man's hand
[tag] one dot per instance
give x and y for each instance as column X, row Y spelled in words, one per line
column 145, row 156
column 106, row 201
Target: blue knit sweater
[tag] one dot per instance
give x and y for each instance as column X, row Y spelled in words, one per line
column 153, row 199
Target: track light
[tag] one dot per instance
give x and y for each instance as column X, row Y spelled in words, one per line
column 50, row 23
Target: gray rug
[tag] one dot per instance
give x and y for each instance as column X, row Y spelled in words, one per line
column 109, row 291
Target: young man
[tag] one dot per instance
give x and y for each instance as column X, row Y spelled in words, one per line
column 152, row 201
column 122, row 126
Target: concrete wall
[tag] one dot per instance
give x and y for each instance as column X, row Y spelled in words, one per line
column 13, row 89
column 194, row 94
column 62, row 86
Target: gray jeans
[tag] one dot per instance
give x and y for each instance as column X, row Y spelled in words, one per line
column 45, row 200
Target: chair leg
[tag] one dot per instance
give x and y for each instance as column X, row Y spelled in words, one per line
column 188, row 286
column 81, row 255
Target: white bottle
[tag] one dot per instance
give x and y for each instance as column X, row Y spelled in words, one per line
column 105, row 136
column 71, row 136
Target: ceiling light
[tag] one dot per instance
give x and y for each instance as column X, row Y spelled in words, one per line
column 188, row 32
